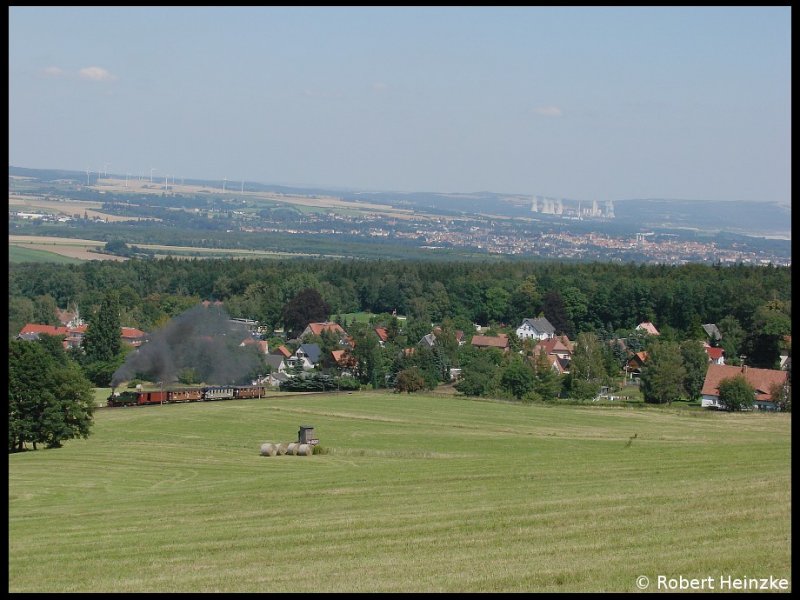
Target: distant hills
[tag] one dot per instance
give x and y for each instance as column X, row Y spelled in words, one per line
column 759, row 219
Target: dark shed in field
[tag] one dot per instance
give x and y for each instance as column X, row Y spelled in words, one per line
column 307, row 435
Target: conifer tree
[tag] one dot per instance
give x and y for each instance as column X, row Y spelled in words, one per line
column 102, row 342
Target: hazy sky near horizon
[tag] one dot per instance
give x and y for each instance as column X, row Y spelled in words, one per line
column 594, row 103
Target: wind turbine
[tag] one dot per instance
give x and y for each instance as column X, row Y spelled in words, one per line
column 243, row 186
column 224, row 181
column 87, row 176
column 105, row 169
column 151, row 173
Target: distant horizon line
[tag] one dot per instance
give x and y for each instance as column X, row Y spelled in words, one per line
column 330, row 187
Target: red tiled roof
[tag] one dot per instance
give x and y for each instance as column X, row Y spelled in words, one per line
column 760, row 379
column 132, row 332
column 554, row 345
column 343, row 358
column 714, row 353
column 318, row 328
column 46, row 329
column 638, row 358
column 382, row 333
column 126, row 332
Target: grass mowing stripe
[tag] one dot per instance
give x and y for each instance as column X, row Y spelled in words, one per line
column 416, row 493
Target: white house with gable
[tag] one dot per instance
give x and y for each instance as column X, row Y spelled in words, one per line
column 539, row 328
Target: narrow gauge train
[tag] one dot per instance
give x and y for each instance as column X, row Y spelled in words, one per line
column 204, row 394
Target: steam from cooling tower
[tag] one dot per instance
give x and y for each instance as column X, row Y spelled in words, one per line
column 202, row 339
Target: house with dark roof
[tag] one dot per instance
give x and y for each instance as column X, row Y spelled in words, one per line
column 307, row 356
column 538, row 328
column 275, row 379
column 428, row 340
column 275, row 363
column 761, row 380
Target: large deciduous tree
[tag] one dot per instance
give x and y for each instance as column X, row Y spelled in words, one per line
column 49, row 398
column 479, row 375
column 587, row 371
column 548, row 383
column 517, row 378
column 695, row 361
column 308, row 306
column 409, row 380
column 663, row 374
column 556, row 313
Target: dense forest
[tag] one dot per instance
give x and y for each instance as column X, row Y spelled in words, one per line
column 585, row 297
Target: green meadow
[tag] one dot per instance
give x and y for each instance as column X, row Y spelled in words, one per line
column 18, row 254
column 413, row 493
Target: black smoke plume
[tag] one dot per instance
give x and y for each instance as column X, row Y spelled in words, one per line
column 202, row 339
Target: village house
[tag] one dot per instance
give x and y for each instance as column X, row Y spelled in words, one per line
column 282, row 351
column 558, row 351
column 306, row 356
column 345, row 362
column 383, row 335
column 132, row 336
column 491, row 341
column 648, row 328
column 762, row 381
column 459, row 335
column 716, row 356
column 318, row 328
column 429, row 340
column 633, row 367
column 73, row 336
column 539, row 328
column 261, row 345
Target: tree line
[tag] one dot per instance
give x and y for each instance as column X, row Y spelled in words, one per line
column 753, row 303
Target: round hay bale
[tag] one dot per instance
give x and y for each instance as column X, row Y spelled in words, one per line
column 305, row 450
column 268, row 449
column 292, row 448
column 280, row 448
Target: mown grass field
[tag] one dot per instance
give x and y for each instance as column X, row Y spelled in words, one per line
column 416, row 493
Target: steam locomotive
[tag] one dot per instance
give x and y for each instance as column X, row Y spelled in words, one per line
column 203, row 394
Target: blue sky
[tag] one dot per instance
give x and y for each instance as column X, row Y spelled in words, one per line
column 594, row 103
